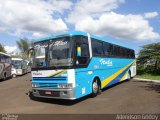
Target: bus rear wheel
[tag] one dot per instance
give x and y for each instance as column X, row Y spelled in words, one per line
column 5, row 76
column 129, row 75
column 95, row 88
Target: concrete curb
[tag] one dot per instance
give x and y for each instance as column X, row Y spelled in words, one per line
column 146, row 80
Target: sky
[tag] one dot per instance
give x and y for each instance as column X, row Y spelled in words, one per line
column 131, row 23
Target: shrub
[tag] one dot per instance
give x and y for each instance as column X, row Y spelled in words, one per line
column 148, row 69
column 140, row 70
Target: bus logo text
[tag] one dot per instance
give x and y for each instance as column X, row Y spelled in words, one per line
column 104, row 62
column 34, row 73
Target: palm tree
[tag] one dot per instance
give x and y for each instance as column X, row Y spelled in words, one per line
column 2, row 49
column 24, row 45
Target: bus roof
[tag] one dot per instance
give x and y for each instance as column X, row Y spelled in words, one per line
column 72, row 33
column 4, row 54
column 61, row 35
column 19, row 59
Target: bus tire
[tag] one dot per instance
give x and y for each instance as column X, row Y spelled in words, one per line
column 95, row 88
column 129, row 75
column 5, row 76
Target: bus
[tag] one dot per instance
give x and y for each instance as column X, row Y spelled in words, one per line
column 5, row 66
column 74, row 64
column 20, row 66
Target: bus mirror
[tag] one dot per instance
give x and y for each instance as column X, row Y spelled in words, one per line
column 79, row 53
column 30, row 53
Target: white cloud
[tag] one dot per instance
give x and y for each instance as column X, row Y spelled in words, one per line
column 38, row 35
column 150, row 15
column 134, row 27
column 60, row 5
column 98, row 18
column 19, row 16
column 10, row 49
column 93, row 8
column 39, row 17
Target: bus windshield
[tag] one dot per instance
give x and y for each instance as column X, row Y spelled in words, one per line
column 17, row 64
column 60, row 52
column 54, row 53
column 40, row 54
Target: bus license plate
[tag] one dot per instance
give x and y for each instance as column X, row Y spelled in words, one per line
column 48, row 92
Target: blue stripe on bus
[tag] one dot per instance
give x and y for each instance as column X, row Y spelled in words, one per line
column 52, row 78
column 118, row 78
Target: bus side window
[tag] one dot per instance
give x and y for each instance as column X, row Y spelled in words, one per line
column 97, row 48
column 3, row 58
column 106, row 49
column 82, row 43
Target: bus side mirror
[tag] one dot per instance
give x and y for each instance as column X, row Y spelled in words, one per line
column 79, row 52
column 30, row 52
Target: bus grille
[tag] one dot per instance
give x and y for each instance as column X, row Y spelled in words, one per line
column 50, row 79
column 48, row 85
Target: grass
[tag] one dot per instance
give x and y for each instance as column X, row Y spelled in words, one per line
column 149, row 76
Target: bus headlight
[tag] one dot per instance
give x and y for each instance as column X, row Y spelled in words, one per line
column 35, row 85
column 65, row 85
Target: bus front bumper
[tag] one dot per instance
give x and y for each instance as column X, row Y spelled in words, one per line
column 54, row 93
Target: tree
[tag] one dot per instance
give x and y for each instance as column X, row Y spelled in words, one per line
column 2, row 49
column 24, row 45
column 150, row 54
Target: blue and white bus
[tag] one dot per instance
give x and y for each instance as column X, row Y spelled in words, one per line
column 75, row 64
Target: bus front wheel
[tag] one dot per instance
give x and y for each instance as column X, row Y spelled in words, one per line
column 95, row 88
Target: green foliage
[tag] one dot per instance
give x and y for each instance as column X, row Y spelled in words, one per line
column 2, row 49
column 150, row 69
column 140, row 70
column 24, row 45
column 149, row 59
